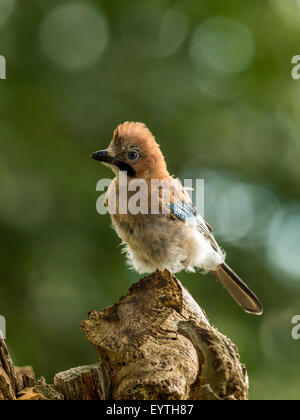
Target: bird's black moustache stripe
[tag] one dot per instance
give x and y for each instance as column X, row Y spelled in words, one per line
column 125, row 167
column 103, row 156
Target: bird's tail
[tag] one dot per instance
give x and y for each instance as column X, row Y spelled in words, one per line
column 238, row 289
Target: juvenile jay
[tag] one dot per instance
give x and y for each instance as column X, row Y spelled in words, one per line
column 177, row 239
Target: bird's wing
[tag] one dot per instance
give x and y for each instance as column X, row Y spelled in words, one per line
column 187, row 213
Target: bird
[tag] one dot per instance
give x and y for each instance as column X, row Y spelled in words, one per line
column 176, row 238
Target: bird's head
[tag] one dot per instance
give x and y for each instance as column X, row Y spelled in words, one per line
column 133, row 149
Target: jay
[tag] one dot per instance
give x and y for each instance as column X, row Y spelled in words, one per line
column 177, row 237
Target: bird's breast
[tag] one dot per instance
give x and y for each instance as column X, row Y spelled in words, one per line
column 133, row 228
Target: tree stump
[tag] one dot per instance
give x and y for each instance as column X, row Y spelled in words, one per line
column 9, row 385
column 156, row 343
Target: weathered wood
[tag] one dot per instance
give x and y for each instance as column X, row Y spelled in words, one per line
column 157, row 343
column 40, row 392
column 25, row 376
column 222, row 376
column 6, row 390
column 83, row 383
column 7, row 372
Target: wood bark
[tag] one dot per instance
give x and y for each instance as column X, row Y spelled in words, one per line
column 9, row 385
column 155, row 343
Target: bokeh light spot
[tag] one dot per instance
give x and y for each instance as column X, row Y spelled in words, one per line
column 283, row 243
column 74, row 35
column 288, row 10
column 275, row 335
column 223, row 45
column 6, row 10
column 152, row 31
column 173, row 31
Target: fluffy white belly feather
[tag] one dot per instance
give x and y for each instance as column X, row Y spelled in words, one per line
column 159, row 242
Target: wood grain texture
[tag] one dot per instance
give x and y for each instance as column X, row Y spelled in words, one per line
column 83, row 383
column 9, row 385
column 157, row 343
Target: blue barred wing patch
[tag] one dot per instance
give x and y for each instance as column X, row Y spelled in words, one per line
column 184, row 211
column 188, row 214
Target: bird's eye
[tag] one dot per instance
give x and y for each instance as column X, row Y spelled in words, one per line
column 133, row 155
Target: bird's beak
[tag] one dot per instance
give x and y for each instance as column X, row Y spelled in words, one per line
column 103, row 156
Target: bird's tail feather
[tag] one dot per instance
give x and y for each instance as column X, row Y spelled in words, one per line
column 238, row 289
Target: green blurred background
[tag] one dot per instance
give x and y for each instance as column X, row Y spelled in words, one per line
column 212, row 80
